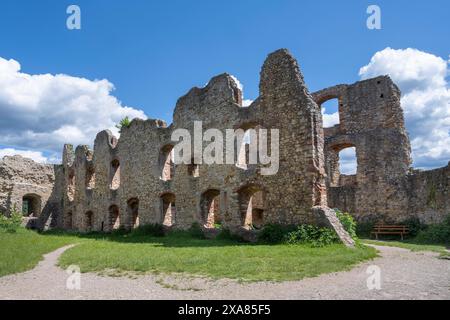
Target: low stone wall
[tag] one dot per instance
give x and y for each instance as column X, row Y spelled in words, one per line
column 427, row 197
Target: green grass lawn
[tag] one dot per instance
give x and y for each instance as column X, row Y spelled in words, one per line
column 410, row 244
column 179, row 253
column 23, row 250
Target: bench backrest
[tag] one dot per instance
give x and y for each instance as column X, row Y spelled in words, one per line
column 385, row 227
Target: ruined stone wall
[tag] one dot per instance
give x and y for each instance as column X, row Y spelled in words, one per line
column 133, row 180
column 371, row 120
column 145, row 196
column 429, row 195
column 22, row 178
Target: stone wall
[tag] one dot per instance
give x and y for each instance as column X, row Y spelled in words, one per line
column 152, row 190
column 133, row 180
column 383, row 189
column 429, row 194
column 24, row 182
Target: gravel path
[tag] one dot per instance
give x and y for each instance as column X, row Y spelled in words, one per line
column 404, row 275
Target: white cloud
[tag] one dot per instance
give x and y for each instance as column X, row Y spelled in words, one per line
column 329, row 120
column 422, row 79
column 247, row 102
column 238, row 83
column 347, row 161
column 42, row 112
column 34, row 155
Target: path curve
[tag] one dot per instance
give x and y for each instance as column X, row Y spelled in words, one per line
column 404, row 274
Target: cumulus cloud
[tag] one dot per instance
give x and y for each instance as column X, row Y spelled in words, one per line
column 329, row 119
column 421, row 77
column 42, row 112
column 34, row 155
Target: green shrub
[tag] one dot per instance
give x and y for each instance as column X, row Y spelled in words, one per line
column 196, row 231
column 153, row 230
column 348, row 223
column 317, row 237
column 120, row 231
column 11, row 224
column 273, row 233
column 226, row 234
column 363, row 229
column 437, row 233
column 414, row 225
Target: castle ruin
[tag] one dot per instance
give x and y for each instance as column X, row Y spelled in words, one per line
column 133, row 181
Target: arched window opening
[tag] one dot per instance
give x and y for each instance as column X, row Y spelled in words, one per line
column 89, row 221
column 167, row 166
column 133, row 212
column 330, row 112
column 348, row 163
column 115, row 174
column 252, row 206
column 114, row 217
column 68, row 221
column 90, row 178
column 247, row 151
column 71, row 185
column 31, row 205
column 342, row 166
column 210, row 208
column 168, row 209
column 193, row 169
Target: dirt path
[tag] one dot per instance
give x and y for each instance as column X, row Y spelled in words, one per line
column 404, row 275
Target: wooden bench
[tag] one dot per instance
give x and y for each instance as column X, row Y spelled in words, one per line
column 390, row 230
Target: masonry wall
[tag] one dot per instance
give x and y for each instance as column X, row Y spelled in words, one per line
column 287, row 197
column 23, row 178
column 133, row 181
column 383, row 189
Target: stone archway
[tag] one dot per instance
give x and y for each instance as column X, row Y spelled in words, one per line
column 114, row 218
column 210, row 208
column 252, row 206
column 166, row 163
column 168, row 209
column 133, row 212
column 89, row 221
column 31, row 205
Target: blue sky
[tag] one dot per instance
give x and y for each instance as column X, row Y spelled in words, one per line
column 154, row 52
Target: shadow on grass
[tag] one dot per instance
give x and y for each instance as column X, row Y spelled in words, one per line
column 176, row 239
column 410, row 243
